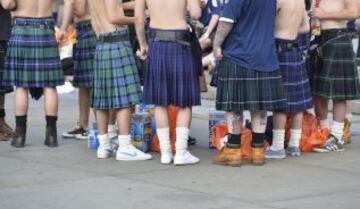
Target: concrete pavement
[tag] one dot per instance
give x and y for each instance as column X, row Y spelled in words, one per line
column 70, row 177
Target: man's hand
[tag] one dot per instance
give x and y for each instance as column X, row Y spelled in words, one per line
column 318, row 13
column 143, row 52
column 218, row 54
column 205, row 41
column 62, row 37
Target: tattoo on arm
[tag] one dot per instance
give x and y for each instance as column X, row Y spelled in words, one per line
column 222, row 32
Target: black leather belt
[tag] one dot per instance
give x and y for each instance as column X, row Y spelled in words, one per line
column 182, row 37
column 281, row 47
column 113, row 38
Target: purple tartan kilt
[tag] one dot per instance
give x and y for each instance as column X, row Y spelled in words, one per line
column 170, row 76
column 295, row 79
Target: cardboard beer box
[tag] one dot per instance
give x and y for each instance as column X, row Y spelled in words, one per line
column 141, row 131
column 215, row 117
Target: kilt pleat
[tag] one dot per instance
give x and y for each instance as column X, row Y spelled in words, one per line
column 242, row 89
column 295, row 79
column 170, row 76
column 116, row 81
column 337, row 77
column 33, row 57
column 84, row 54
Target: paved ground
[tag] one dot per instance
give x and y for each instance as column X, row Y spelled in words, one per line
column 70, row 177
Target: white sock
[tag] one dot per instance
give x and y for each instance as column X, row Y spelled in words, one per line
column 337, row 130
column 104, row 141
column 295, row 137
column 164, row 138
column 182, row 136
column 324, row 123
column 278, row 139
column 124, row 140
column 112, row 132
column 349, row 116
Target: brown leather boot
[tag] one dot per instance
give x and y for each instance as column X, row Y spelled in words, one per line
column 19, row 137
column 51, row 137
column 5, row 128
column 258, row 155
column 228, row 156
column 347, row 132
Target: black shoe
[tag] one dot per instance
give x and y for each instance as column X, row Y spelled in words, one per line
column 51, row 137
column 191, row 141
column 19, row 137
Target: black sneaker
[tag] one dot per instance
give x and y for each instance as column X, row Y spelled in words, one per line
column 332, row 144
column 73, row 132
column 82, row 136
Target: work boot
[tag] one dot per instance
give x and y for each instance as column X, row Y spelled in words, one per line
column 19, row 137
column 347, row 132
column 228, row 156
column 51, row 137
column 258, row 154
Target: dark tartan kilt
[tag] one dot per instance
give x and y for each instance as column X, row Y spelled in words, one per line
column 84, row 54
column 3, row 47
column 336, row 76
column 33, row 57
column 116, row 81
column 240, row 89
column 171, row 77
column 295, row 80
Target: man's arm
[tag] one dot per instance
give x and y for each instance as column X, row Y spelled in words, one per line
column 194, row 9
column 349, row 12
column 113, row 9
column 68, row 14
column 140, row 7
column 129, row 5
column 223, row 30
column 8, row 4
column 212, row 25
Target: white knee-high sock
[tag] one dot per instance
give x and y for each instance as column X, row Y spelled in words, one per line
column 182, row 136
column 164, row 139
column 295, row 137
column 124, row 140
column 278, row 139
column 325, row 123
column 337, row 130
column 104, row 141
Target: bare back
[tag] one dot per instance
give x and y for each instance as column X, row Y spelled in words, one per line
column 289, row 18
column 99, row 18
column 333, row 6
column 81, row 10
column 34, row 8
column 167, row 14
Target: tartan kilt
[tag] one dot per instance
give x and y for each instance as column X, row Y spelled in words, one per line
column 3, row 47
column 84, row 55
column 295, row 79
column 240, row 89
column 336, row 76
column 171, row 76
column 32, row 59
column 116, row 81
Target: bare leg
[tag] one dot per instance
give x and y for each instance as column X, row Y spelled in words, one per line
column 84, row 107
column 339, row 110
column 102, row 119
column 279, row 120
column 123, row 118
column 258, row 121
column 184, row 117
column 21, row 101
column 321, row 107
column 161, row 117
column 51, row 101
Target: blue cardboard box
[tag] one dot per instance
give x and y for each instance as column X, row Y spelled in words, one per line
column 141, row 131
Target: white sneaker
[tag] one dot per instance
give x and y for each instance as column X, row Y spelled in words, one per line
column 130, row 153
column 185, row 158
column 103, row 152
column 166, row 157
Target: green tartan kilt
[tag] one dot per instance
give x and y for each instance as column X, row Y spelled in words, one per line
column 242, row 89
column 336, row 76
column 116, row 81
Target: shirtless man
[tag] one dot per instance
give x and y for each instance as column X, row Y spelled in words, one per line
column 171, row 77
column 291, row 19
column 116, row 80
column 33, row 62
column 337, row 78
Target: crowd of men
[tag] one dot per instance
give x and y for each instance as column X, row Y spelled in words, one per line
column 256, row 45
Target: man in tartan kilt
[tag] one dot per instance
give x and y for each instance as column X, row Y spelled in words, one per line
column 249, row 76
column 171, row 73
column 291, row 19
column 5, row 29
column 116, row 83
column 335, row 75
column 33, row 61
